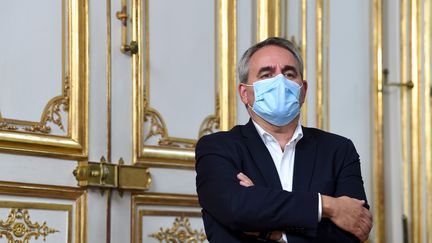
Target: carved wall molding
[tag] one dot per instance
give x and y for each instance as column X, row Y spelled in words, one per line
column 149, row 204
column 181, row 231
column 51, row 114
column 153, row 147
column 18, row 227
column 62, row 130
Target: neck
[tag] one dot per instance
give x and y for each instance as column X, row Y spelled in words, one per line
column 282, row 134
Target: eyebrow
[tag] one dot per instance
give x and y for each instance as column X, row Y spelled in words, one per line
column 289, row 68
column 272, row 68
column 266, row 69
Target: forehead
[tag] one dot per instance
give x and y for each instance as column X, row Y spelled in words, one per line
column 270, row 56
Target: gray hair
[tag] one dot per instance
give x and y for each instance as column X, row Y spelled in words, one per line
column 243, row 65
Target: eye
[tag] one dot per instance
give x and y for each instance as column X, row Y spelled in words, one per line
column 290, row 75
column 265, row 75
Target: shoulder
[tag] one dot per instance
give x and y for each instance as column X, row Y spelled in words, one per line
column 326, row 138
column 220, row 141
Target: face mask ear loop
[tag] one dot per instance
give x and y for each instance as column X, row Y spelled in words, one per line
column 248, row 85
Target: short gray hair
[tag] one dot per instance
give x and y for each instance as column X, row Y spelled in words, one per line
column 243, row 65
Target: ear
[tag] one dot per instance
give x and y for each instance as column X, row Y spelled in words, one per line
column 243, row 93
column 303, row 91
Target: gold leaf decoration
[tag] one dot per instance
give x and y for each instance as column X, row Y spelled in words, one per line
column 180, row 232
column 51, row 114
column 209, row 126
column 18, row 228
column 156, row 130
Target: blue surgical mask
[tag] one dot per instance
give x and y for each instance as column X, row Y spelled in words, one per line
column 276, row 100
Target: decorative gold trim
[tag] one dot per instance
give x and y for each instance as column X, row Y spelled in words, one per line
column 326, row 98
column 35, row 138
column 428, row 119
column 109, row 106
column 322, row 101
column 303, row 49
column 18, row 223
column 158, row 199
column 415, row 120
column 226, row 103
column 148, row 124
column 268, row 19
column 51, row 114
column 378, row 161
column 55, row 192
column 404, row 111
column 319, row 98
column 181, row 231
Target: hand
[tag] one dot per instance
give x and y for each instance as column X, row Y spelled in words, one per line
column 273, row 236
column 246, row 182
column 348, row 214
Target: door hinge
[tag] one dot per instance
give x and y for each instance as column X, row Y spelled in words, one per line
column 116, row 176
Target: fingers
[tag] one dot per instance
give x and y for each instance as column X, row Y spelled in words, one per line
column 244, row 180
column 350, row 215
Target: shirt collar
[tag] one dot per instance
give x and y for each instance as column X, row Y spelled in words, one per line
column 266, row 137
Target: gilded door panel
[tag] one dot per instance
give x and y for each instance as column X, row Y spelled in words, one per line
column 43, row 100
column 29, row 212
column 159, row 217
column 184, row 78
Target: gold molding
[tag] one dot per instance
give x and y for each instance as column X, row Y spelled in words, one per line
column 378, row 160
column 51, row 113
column 18, row 223
column 79, row 196
column 148, row 123
column 404, row 110
column 415, row 121
column 180, row 231
column 303, row 49
column 428, row 119
column 159, row 199
column 35, row 140
column 322, row 62
column 268, row 19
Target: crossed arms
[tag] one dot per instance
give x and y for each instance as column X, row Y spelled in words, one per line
column 248, row 205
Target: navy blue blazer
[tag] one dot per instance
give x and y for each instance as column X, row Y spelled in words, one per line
column 324, row 163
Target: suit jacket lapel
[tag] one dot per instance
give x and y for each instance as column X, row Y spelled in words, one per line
column 261, row 155
column 304, row 162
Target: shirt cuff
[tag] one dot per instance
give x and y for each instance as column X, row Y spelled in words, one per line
column 319, row 207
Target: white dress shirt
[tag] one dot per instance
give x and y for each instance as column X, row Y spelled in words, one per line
column 284, row 160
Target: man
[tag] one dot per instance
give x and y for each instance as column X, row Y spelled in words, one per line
column 273, row 179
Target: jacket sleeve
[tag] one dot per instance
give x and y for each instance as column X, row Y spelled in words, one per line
column 349, row 183
column 255, row 208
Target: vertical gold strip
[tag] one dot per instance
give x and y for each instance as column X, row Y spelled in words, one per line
column 427, row 105
column 404, row 111
column 81, row 219
column 319, row 64
column 268, row 19
column 326, row 91
column 108, row 101
column 416, row 167
column 277, row 17
column 262, row 20
column 108, row 78
column 63, row 39
column 303, row 42
column 227, row 58
column 377, row 85
column 140, row 95
column 78, row 71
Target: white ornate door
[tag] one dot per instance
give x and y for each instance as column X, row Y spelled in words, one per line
column 99, row 115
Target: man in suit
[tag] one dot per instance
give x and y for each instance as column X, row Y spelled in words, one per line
column 273, row 180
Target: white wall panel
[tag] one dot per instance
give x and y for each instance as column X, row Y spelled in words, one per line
column 350, row 78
